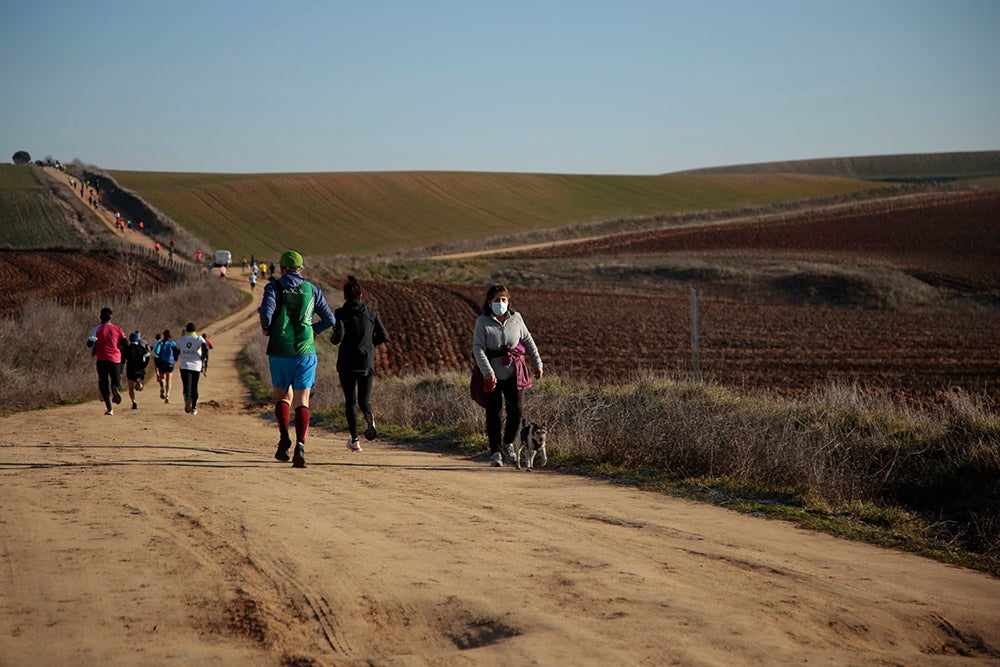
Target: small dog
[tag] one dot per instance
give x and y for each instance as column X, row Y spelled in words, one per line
column 531, row 440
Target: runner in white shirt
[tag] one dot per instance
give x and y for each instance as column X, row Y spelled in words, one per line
column 193, row 348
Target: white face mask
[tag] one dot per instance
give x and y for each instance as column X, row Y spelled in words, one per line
column 499, row 307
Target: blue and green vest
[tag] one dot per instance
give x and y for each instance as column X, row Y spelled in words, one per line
column 291, row 332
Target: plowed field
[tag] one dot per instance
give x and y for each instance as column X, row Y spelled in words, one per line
column 953, row 237
column 66, row 276
column 786, row 349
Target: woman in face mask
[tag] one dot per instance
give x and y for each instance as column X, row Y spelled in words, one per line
column 500, row 343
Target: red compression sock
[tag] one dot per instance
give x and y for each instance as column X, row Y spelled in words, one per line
column 301, row 422
column 282, row 412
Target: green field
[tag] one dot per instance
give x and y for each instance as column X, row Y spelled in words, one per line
column 326, row 214
column 29, row 219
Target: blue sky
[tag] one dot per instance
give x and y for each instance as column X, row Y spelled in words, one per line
column 618, row 87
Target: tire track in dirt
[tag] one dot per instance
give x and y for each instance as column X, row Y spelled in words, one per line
column 309, row 604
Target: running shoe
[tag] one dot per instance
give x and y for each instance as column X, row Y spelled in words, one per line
column 109, row 411
column 282, row 452
column 354, row 445
column 116, row 396
column 135, row 406
column 299, row 459
column 496, row 460
column 370, row 432
column 511, row 455
column 166, row 398
column 194, row 411
column 187, row 404
column 138, row 384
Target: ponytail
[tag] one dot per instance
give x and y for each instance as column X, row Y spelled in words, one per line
column 352, row 289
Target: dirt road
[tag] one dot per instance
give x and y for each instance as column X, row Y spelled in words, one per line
column 156, row 537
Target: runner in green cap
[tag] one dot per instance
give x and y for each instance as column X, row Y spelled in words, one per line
column 286, row 318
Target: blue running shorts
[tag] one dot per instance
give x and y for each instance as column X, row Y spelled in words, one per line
column 294, row 372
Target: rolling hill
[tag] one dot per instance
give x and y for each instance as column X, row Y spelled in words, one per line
column 329, row 214
column 914, row 167
column 30, row 217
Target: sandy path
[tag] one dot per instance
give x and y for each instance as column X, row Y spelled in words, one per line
column 156, row 537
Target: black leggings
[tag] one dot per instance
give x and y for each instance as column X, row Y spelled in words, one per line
column 506, row 392
column 109, row 374
column 357, row 393
column 190, row 381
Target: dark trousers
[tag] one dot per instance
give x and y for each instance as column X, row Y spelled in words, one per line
column 506, row 392
column 357, row 393
column 190, row 381
column 109, row 374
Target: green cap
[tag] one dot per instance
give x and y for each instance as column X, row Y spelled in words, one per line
column 290, row 259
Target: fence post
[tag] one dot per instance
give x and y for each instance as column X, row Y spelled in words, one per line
column 695, row 360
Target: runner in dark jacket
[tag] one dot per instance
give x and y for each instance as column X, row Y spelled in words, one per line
column 136, row 355
column 358, row 330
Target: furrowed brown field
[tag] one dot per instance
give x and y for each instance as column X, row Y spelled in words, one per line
column 919, row 354
column 952, row 236
column 67, row 277
column 784, row 349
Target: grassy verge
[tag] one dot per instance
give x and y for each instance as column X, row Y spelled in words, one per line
column 838, row 461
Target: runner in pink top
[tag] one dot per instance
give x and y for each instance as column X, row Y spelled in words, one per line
column 106, row 341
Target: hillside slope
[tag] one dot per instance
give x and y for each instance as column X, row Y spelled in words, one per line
column 360, row 213
column 31, row 216
column 939, row 167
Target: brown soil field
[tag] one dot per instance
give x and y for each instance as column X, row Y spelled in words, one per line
column 955, row 236
column 65, row 276
column 784, row 349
